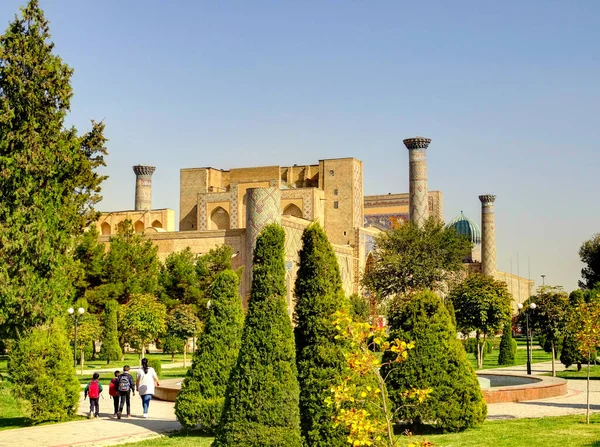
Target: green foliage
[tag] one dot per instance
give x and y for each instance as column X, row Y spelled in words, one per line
column 41, row 365
column 508, row 347
column 157, row 365
column 481, row 304
column 89, row 329
column 413, row 257
column 179, row 281
column 90, row 254
column 182, row 322
column 359, row 308
column 110, row 349
column 201, row 398
column 48, row 185
column 319, row 354
column 262, row 397
column 142, row 320
column 172, row 345
column 438, row 361
column 590, row 256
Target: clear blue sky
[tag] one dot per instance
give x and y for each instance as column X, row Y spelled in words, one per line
column 508, row 92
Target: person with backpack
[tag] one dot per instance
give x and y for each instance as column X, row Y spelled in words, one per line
column 93, row 390
column 145, row 380
column 126, row 385
column 113, row 391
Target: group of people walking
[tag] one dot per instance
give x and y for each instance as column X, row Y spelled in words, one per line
column 120, row 389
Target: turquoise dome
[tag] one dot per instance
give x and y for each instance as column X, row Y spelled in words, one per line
column 463, row 225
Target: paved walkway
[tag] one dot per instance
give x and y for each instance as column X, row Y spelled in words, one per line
column 574, row 402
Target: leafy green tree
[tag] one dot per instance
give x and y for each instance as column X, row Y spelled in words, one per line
column 179, row 281
column 41, row 365
column 200, row 400
column 110, row 350
column 182, row 323
column 360, row 309
column 319, row 353
column 483, row 305
column 89, row 330
column 437, row 362
column 49, row 185
column 549, row 318
column 143, row 319
column 508, row 347
column 172, row 345
column 569, row 354
column 261, row 401
column 415, row 257
column 590, row 256
column 209, row 265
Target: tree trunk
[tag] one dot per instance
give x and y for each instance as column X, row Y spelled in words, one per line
column 82, row 360
column 184, row 352
column 553, row 356
column 479, row 352
column 93, row 350
column 587, row 411
column 578, row 366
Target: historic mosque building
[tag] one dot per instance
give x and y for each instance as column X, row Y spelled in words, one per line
column 233, row 206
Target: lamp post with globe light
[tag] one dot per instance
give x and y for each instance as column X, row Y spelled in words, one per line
column 75, row 316
column 531, row 307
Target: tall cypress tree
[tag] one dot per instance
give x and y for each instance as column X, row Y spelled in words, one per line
column 200, row 400
column 48, row 183
column 508, row 347
column 319, row 356
column 261, row 401
column 437, row 362
column 111, row 349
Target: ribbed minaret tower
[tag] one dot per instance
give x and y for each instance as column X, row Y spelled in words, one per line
column 143, row 187
column 417, row 178
column 488, row 235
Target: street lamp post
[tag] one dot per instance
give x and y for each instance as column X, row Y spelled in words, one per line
column 531, row 306
column 75, row 316
column 543, row 280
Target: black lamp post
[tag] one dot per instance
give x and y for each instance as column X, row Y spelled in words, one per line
column 531, row 306
column 75, row 316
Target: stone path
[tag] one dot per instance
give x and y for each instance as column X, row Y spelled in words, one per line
column 574, row 402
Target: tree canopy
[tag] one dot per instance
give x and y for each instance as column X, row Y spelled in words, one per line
column 590, row 256
column 415, row 257
column 48, row 179
column 142, row 320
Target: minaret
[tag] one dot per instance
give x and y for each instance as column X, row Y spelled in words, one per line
column 143, row 187
column 488, row 235
column 417, row 178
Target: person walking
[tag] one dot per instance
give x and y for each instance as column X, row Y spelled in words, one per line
column 145, row 380
column 113, row 391
column 126, row 387
column 93, row 390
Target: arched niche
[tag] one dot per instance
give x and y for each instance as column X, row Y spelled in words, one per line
column 292, row 210
column 120, row 227
column 219, row 219
column 105, row 229
column 156, row 224
column 139, row 226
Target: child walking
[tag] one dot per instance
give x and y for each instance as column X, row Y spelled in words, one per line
column 113, row 390
column 93, row 390
column 126, row 387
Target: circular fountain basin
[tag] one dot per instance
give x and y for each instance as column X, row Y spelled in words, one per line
column 167, row 390
column 517, row 388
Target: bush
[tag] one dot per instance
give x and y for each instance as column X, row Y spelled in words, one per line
column 508, row 347
column 319, row 353
column 157, row 365
column 41, row 364
column 201, row 398
column 261, row 401
column 489, row 346
column 359, row 307
column 437, row 361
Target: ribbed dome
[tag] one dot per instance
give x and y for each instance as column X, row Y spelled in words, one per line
column 463, row 225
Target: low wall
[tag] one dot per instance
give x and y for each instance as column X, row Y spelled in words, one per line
column 542, row 388
column 167, row 390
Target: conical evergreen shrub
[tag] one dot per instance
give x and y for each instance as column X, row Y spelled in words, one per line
column 507, row 347
column 201, row 398
column 41, row 365
column 110, row 349
column 319, row 356
column 261, row 401
column 437, row 362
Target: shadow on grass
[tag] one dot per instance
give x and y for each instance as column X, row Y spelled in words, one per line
column 18, row 422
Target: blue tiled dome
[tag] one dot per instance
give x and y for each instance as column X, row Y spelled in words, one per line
column 463, row 225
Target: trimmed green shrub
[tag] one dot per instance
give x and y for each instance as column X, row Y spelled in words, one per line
column 110, row 349
column 41, row 365
column 508, row 347
column 359, row 307
column 489, row 346
column 157, row 365
column 438, row 362
column 261, row 401
column 319, row 355
column 201, row 398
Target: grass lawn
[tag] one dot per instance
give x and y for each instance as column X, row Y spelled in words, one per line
column 572, row 372
column 171, row 373
column 491, row 360
column 548, row 432
column 132, row 360
column 11, row 415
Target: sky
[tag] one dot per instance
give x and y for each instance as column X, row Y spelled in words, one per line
column 507, row 91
